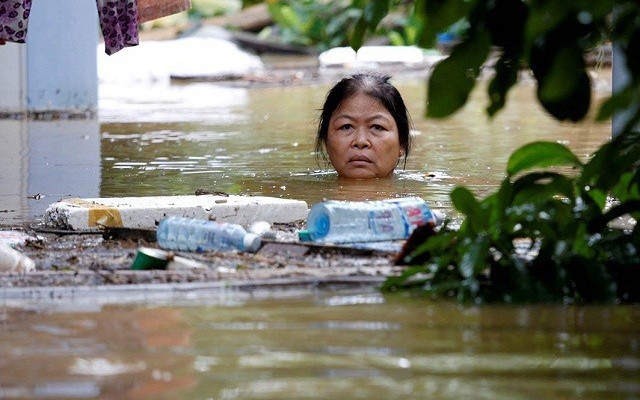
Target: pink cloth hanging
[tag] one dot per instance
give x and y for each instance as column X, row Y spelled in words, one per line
column 14, row 16
column 119, row 23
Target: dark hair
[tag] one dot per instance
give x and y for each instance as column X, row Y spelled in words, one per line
column 376, row 86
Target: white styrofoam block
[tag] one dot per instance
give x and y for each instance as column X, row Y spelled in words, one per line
column 157, row 61
column 390, row 54
column 368, row 55
column 337, row 56
column 146, row 212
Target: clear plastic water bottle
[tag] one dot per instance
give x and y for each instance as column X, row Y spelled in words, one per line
column 189, row 234
column 367, row 221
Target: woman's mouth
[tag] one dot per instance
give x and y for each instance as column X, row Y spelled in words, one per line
column 359, row 158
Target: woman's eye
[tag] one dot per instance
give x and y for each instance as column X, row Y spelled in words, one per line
column 345, row 127
column 377, row 127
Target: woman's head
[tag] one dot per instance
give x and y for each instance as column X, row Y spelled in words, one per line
column 364, row 127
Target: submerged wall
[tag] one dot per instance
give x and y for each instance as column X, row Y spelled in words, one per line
column 56, row 70
column 44, row 161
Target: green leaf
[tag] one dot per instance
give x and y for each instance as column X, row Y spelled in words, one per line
column 438, row 15
column 375, row 11
column 464, row 201
column 541, row 187
column 557, row 62
column 506, row 76
column 396, row 39
column 472, row 260
column 563, row 104
column 632, row 49
column 541, row 155
column 453, row 78
column 289, row 17
column 357, row 38
column 372, row 14
column 612, row 165
column 275, row 9
column 580, row 245
column 432, row 244
column 562, row 78
column 627, row 186
column 619, row 101
column 595, row 167
column 499, row 202
column 599, row 197
column 545, row 17
column 506, row 20
column 548, row 16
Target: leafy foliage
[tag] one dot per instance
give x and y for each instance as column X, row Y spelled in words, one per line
column 322, row 25
column 543, row 236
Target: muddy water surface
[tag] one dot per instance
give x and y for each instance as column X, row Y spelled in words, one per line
column 324, row 345
column 261, row 141
column 175, row 139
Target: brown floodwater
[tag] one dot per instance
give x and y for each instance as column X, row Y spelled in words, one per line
column 315, row 344
column 157, row 139
column 261, row 141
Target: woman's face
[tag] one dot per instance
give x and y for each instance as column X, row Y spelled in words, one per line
column 363, row 140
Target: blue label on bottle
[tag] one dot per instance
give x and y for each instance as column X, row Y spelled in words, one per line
column 387, row 222
column 414, row 215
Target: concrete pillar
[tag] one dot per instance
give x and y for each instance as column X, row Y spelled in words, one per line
column 56, row 70
column 13, row 78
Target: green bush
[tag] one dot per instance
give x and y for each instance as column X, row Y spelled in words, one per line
column 543, row 236
column 335, row 23
column 572, row 255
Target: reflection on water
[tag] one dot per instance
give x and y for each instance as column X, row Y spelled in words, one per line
column 43, row 161
column 162, row 139
column 323, row 345
column 162, row 103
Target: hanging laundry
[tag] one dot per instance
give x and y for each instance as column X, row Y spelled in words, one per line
column 119, row 24
column 14, row 15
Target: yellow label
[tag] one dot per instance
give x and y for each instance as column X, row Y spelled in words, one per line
column 99, row 214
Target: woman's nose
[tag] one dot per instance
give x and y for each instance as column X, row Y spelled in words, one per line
column 361, row 139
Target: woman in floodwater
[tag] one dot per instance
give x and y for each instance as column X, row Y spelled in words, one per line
column 364, row 127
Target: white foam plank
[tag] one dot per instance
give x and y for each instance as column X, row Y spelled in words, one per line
column 145, row 212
